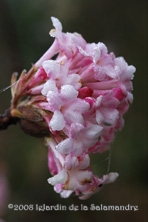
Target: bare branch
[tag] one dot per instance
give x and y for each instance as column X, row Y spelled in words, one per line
column 6, row 120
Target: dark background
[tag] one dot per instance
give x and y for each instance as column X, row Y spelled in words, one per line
column 121, row 25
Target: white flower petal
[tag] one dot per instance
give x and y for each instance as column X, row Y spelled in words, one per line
column 57, row 122
column 69, row 92
column 71, row 162
column 110, row 178
column 74, row 79
column 49, row 86
column 99, row 117
column 65, row 146
column 77, row 147
column 58, row 178
column 51, row 67
column 58, row 27
column 66, row 193
column 54, row 100
column 85, row 162
column 94, row 131
column 110, row 115
column 84, row 176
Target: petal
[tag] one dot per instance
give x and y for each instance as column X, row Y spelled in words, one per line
column 110, row 115
column 84, row 176
column 72, row 116
column 59, row 178
column 75, row 130
column 51, row 67
column 58, row 27
column 99, row 100
column 110, row 178
column 57, row 122
column 66, row 146
column 99, row 117
column 66, row 193
column 80, row 105
column 52, row 145
column 77, row 147
column 94, row 131
column 74, row 79
column 52, row 162
column 68, row 92
column 71, row 162
column 36, row 90
column 85, row 162
column 54, row 101
column 49, row 86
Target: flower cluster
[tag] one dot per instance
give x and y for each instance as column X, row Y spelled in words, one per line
column 81, row 97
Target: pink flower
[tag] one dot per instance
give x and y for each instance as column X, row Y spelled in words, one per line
column 80, row 98
column 74, row 174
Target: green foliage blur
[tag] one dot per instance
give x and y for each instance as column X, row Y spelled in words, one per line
column 122, row 26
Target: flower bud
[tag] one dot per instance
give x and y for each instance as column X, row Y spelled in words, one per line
column 31, row 121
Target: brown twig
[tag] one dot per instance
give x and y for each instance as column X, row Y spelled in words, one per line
column 6, row 120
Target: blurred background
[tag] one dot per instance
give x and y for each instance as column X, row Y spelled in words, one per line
column 24, row 28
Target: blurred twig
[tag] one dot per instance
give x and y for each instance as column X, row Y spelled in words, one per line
column 6, row 119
